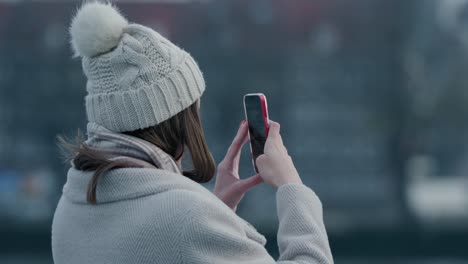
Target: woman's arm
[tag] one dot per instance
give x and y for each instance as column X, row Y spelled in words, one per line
column 302, row 237
column 214, row 234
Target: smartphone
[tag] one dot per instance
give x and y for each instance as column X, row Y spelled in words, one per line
column 256, row 113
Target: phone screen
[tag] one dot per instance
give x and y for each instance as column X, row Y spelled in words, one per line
column 256, row 122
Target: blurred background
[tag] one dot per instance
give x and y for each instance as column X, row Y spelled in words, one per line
column 371, row 94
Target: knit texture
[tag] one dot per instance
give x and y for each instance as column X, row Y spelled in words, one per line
column 128, row 150
column 136, row 80
column 156, row 216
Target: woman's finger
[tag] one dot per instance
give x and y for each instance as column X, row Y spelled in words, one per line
column 274, row 128
column 274, row 137
column 234, row 151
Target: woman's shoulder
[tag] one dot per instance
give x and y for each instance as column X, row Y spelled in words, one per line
column 198, row 208
column 175, row 194
column 131, row 183
column 196, row 202
column 155, row 196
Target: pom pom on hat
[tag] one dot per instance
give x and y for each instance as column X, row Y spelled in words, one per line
column 96, row 28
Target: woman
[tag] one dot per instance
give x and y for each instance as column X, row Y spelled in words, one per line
column 126, row 199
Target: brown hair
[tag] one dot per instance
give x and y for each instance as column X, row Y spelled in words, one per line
column 172, row 135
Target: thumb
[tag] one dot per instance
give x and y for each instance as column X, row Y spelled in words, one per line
column 274, row 128
column 244, row 185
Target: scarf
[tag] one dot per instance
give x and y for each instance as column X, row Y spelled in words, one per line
column 130, row 150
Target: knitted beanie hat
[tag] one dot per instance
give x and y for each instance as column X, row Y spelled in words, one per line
column 136, row 77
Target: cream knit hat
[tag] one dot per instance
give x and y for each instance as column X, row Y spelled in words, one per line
column 136, row 77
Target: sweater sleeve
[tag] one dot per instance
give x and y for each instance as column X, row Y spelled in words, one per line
column 302, row 237
column 213, row 234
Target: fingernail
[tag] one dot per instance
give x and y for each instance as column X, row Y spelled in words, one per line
column 242, row 122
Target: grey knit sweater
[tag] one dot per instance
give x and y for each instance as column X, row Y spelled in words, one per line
column 156, row 216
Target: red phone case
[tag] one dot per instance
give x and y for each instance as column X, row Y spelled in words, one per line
column 265, row 113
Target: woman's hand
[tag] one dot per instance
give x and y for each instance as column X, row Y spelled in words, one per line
column 275, row 166
column 229, row 187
